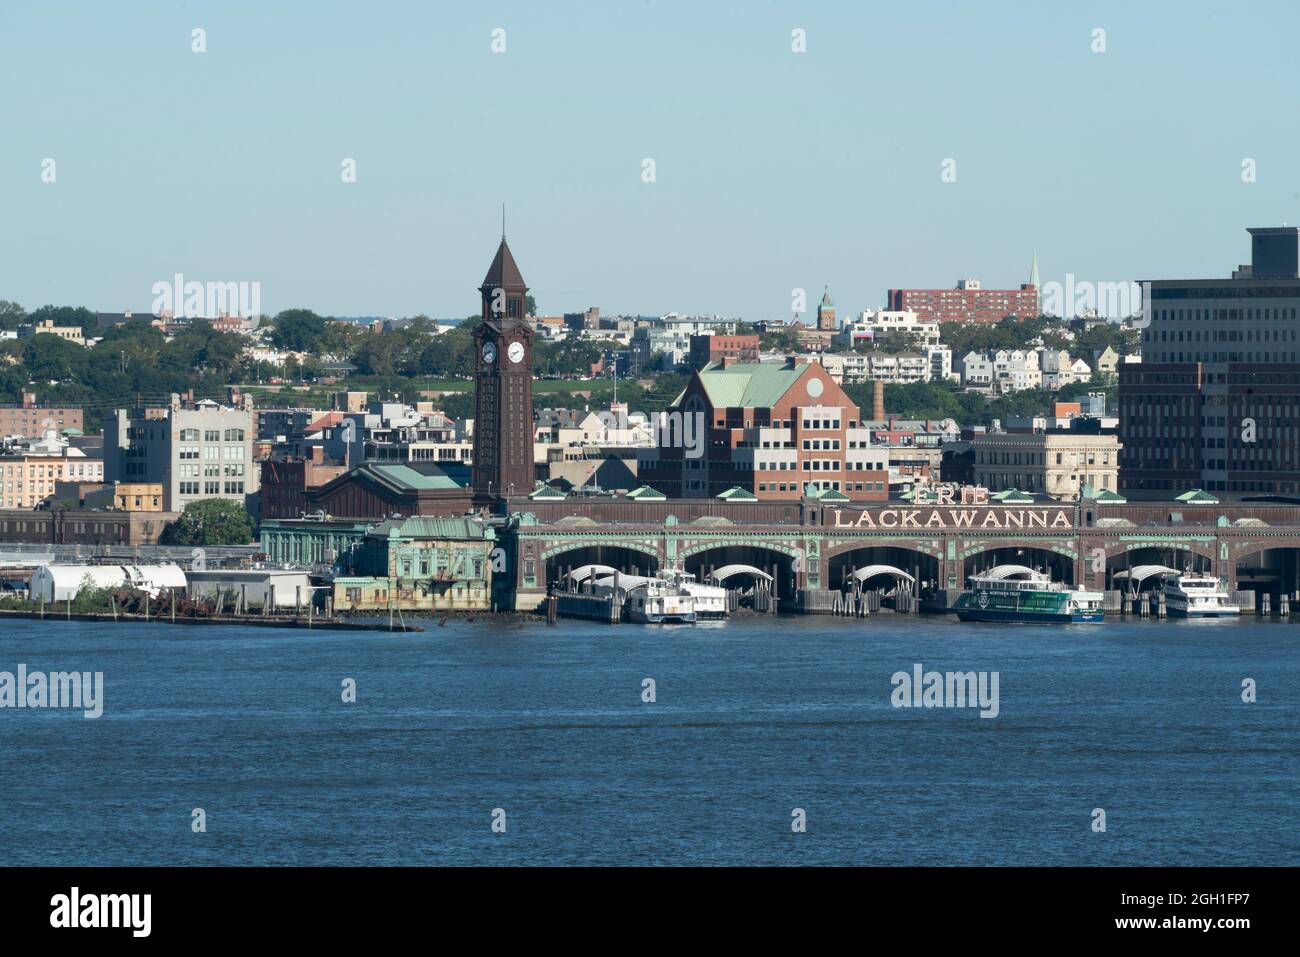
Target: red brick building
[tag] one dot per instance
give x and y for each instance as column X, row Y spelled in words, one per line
column 706, row 349
column 774, row 430
column 33, row 421
column 285, row 484
column 968, row 302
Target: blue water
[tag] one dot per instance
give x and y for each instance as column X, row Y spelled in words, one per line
column 753, row 719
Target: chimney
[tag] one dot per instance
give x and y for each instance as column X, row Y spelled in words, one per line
column 878, row 401
column 29, row 400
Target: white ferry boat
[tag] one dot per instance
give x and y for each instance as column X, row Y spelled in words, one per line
column 1197, row 596
column 710, row 600
column 650, row 600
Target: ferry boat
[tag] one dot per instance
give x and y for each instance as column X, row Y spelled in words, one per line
column 1017, row 593
column 650, row 600
column 1197, row 596
column 710, row 600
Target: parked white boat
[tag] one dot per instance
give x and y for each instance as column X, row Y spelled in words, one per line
column 710, row 600
column 1197, row 596
column 651, row 600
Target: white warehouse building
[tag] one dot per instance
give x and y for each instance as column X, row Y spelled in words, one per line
column 63, row 582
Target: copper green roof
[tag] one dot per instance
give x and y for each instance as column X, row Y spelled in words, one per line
column 1198, row 497
column 1105, row 495
column 546, row 491
column 738, row 494
column 430, row 526
column 404, row 477
column 825, row 494
column 748, row 384
column 1011, row 495
column 646, row 494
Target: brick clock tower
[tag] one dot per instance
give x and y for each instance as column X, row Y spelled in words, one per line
column 503, row 397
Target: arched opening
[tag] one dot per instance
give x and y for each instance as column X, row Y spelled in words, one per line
column 1060, row 567
column 756, row 577
column 895, row 578
column 1181, row 560
column 604, row 558
column 1274, row 572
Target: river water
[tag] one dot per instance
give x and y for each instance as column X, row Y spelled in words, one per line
column 751, row 720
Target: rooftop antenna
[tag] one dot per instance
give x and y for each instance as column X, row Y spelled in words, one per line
column 503, row 222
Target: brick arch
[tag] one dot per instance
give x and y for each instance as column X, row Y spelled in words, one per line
column 1116, row 549
column 972, row 548
column 599, row 542
column 1239, row 550
column 790, row 551
column 921, row 548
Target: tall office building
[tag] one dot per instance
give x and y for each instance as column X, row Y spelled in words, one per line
column 195, row 450
column 1215, row 401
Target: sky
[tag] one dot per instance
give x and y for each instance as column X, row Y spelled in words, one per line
column 774, row 170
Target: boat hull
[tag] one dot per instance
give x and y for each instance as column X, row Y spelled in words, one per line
column 657, row 618
column 1030, row 617
column 1175, row 612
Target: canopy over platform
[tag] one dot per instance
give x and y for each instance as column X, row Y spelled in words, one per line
column 1141, row 573
column 726, row 571
column 582, row 573
column 1001, row 572
column 871, row 571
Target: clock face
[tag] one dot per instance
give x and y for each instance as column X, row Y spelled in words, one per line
column 516, row 351
column 489, row 352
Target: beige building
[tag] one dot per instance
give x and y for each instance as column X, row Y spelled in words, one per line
column 47, row 326
column 128, row 497
column 1058, row 464
column 28, row 476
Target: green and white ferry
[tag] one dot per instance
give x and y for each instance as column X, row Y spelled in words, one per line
column 1020, row 593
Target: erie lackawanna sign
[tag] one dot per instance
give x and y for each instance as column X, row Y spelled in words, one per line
column 990, row 516
column 954, row 506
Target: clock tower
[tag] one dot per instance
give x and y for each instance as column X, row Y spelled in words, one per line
column 503, row 395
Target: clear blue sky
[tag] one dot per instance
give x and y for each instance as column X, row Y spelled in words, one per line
column 775, row 170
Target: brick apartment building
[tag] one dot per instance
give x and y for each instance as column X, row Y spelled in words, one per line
column 968, row 302
column 706, row 349
column 1215, row 402
column 33, row 421
column 773, row 430
column 285, row 484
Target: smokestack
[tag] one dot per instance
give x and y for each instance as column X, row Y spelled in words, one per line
column 878, row 401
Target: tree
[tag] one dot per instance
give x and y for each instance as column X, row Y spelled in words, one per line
column 11, row 314
column 52, row 359
column 210, row 522
column 298, row 330
column 530, row 306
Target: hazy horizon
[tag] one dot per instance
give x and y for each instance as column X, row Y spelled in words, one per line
column 775, row 170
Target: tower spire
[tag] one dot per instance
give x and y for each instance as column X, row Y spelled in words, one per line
column 503, row 222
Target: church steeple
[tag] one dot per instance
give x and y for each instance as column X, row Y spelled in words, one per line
column 1033, row 281
column 826, row 312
